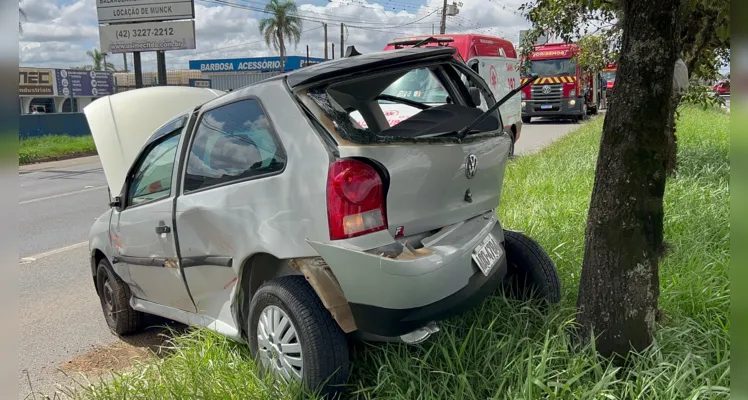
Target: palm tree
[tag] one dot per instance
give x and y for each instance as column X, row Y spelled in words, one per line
column 283, row 24
column 21, row 13
column 99, row 61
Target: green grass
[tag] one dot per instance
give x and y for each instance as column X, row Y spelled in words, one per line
column 509, row 350
column 50, row 147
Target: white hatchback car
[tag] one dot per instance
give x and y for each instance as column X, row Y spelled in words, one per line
column 270, row 216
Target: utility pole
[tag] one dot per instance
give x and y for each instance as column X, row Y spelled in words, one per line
column 333, row 50
column 161, row 67
column 443, row 27
column 138, row 70
column 342, row 44
column 325, row 26
column 124, row 58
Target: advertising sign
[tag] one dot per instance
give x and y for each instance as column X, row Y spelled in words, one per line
column 36, row 82
column 147, row 36
column 262, row 64
column 84, row 83
column 201, row 83
column 119, row 11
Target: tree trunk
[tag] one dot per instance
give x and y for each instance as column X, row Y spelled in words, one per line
column 282, row 47
column 619, row 285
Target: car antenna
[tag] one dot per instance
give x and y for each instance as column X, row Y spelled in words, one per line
column 351, row 51
column 464, row 131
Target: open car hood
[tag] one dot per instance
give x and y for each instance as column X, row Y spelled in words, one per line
column 121, row 123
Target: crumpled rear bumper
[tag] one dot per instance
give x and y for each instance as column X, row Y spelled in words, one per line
column 391, row 296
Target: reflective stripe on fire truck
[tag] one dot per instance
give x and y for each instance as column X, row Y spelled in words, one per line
column 554, row 79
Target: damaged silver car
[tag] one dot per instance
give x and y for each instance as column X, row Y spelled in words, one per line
column 271, row 216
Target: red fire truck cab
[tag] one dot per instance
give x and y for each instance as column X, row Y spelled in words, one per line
column 562, row 90
column 609, row 75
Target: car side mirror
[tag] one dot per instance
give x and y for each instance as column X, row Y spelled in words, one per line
column 475, row 95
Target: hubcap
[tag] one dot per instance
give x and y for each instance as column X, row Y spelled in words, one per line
column 278, row 344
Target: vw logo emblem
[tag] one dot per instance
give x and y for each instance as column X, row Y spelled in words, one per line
column 471, row 166
column 546, row 89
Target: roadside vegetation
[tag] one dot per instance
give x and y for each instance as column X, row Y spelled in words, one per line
column 53, row 147
column 511, row 350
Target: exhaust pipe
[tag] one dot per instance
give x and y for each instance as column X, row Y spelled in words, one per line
column 417, row 336
column 420, row 335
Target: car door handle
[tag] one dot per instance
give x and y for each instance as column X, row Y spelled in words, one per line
column 161, row 229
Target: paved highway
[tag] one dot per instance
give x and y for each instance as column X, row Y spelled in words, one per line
column 63, row 332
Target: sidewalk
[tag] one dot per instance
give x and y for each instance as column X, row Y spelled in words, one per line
column 25, row 169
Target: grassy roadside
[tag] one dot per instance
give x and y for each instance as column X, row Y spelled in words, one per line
column 509, row 350
column 53, row 147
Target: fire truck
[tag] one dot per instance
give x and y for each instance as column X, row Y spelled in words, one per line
column 609, row 75
column 563, row 89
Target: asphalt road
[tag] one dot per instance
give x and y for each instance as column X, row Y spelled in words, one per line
column 61, row 319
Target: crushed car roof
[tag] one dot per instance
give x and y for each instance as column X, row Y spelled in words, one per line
column 364, row 62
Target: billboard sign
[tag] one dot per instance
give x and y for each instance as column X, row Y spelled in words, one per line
column 36, row 82
column 147, row 36
column 201, row 83
column 260, row 64
column 120, row 11
column 81, row 83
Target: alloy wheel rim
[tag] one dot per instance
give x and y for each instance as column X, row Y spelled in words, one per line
column 278, row 344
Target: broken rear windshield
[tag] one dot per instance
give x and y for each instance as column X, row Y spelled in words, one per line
column 434, row 98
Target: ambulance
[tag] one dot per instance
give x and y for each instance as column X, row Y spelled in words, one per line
column 494, row 59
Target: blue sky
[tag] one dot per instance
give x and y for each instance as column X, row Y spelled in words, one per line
column 59, row 32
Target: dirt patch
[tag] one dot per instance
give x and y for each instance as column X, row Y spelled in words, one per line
column 102, row 360
column 121, row 354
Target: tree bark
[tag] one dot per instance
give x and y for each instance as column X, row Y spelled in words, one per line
column 619, row 285
column 282, row 48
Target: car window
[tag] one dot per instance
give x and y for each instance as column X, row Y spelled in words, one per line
column 232, row 142
column 152, row 179
column 418, row 85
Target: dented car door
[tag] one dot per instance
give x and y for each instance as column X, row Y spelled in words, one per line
column 142, row 229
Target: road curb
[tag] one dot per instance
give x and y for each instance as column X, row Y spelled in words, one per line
column 71, row 162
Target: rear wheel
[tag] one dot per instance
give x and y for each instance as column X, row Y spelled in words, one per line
column 530, row 271
column 526, row 120
column 293, row 336
column 114, row 295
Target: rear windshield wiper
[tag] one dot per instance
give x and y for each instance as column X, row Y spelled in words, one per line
column 462, row 133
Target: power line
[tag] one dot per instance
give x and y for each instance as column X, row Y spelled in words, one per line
column 234, row 46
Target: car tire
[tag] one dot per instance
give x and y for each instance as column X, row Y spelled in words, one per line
column 530, row 271
column 511, row 146
column 526, row 120
column 114, row 295
column 323, row 346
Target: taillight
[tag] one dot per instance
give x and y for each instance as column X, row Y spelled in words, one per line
column 355, row 199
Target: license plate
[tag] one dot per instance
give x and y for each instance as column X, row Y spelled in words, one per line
column 546, row 106
column 487, row 254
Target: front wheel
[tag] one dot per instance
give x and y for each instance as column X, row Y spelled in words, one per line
column 293, row 336
column 530, row 271
column 114, row 295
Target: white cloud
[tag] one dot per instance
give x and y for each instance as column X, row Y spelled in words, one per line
column 58, row 34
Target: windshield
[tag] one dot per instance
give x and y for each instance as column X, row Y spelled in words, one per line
column 419, row 85
column 566, row 66
column 609, row 76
